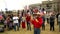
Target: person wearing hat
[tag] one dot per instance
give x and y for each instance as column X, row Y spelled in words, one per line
column 37, row 22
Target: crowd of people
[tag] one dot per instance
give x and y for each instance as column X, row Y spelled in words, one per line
column 37, row 19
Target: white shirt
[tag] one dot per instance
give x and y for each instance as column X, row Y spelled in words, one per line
column 15, row 19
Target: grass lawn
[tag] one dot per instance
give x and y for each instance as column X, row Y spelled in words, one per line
column 24, row 31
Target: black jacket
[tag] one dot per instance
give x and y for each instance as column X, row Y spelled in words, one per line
column 52, row 18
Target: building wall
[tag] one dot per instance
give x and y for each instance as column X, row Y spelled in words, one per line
column 44, row 4
column 57, row 5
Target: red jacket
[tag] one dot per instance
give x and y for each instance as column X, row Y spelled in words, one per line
column 1, row 17
column 37, row 24
column 28, row 18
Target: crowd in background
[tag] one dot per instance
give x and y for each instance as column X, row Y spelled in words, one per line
column 28, row 17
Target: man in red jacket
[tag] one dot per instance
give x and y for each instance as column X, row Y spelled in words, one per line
column 37, row 22
column 28, row 17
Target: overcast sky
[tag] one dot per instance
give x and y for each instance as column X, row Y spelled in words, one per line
column 17, row 4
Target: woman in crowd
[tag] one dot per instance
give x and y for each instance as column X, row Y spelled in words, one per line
column 23, row 21
column 8, row 19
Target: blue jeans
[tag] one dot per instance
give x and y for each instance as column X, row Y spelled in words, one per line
column 28, row 26
column 37, row 31
column 16, row 24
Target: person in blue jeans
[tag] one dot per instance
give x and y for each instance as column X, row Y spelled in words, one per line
column 37, row 23
column 37, row 31
column 15, row 22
